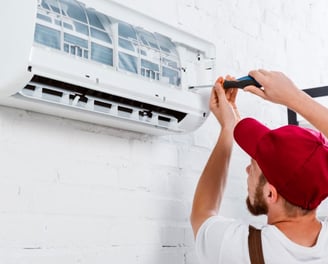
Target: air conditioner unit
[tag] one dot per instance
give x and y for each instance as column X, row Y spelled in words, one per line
column 101, row 62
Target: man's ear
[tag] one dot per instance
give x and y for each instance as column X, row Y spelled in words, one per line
column 270, row 193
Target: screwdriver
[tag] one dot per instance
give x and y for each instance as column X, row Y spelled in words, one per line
column 239, row 83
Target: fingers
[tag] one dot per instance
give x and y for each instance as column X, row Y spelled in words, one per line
column 255, row 90
column 225, row 94
column 230, row 78
column 218, row 87
column 214, row 99
column 259, row 72
column 259, row 75
column 218, row 94
column 232, row 94
column 264, row 72
column 219, row 80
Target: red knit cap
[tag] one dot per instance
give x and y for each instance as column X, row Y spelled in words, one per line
column 293, row 159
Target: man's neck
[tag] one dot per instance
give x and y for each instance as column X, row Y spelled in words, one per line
column 303, row 230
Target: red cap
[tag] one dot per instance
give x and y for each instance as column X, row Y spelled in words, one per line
column 293, row 159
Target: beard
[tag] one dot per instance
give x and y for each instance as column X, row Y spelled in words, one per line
column 259, row 207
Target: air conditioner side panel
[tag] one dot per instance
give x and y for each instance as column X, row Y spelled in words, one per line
column 16, row 44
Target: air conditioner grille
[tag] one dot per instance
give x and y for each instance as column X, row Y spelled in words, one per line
column 74, row 96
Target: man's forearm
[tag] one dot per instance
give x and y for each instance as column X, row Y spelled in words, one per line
column 211, row 184
column 312, row 111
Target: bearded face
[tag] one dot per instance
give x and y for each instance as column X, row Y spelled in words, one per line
column 259, row 207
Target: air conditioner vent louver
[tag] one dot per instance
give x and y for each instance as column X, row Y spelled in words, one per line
column 73, row 96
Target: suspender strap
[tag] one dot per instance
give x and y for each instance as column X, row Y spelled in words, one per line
column 255, row 246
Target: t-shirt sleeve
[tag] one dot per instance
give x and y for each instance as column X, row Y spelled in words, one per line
column 222, row 240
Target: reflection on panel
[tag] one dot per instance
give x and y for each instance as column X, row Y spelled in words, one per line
column 150, row 55
column 68, row 26
column 128, row 54
column 47, row 36
column 128, row 62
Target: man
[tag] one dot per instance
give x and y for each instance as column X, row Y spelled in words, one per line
column 287, row 179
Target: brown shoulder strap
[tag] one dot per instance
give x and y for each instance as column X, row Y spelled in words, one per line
column 255, row 246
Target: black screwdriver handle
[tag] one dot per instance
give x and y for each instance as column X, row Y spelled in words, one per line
column 241, row 83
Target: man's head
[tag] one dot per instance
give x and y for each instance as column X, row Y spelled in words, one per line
column 293, row 159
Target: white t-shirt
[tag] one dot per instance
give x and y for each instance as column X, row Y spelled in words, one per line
column 222, row 240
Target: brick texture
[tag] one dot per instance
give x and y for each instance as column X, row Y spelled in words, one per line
column 73, row 193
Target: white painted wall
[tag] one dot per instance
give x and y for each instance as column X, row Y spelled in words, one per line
column 72, row 192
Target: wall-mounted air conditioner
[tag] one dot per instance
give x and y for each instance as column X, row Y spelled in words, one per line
column 101, row 62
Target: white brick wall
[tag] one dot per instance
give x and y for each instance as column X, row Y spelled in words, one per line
column 72, row 192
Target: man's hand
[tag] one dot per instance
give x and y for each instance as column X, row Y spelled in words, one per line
column 223, row 104
column 277, row 87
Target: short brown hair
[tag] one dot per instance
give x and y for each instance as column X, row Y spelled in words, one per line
column 290, row 209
